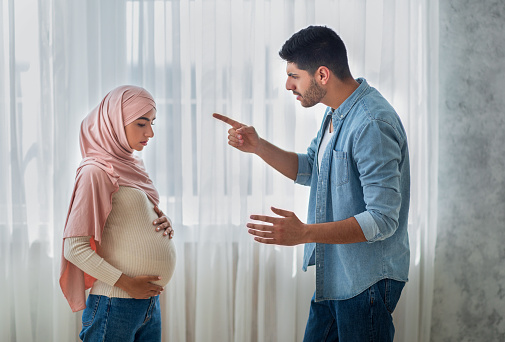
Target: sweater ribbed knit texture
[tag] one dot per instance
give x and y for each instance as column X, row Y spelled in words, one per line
column 130, row 245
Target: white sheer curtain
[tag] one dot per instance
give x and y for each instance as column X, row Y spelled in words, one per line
column 59, row 58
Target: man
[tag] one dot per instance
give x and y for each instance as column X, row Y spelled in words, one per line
column 358, row 170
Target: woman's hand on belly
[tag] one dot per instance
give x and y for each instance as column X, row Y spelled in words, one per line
column 140, row 287
column 163, row 222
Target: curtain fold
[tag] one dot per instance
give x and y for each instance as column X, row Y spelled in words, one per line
column 59, row 58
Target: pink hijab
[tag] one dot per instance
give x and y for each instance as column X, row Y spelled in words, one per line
column 105, row 147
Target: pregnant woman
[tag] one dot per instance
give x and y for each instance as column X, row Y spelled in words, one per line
column 116, row 240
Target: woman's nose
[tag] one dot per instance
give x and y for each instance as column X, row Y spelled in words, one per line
column 150, row 132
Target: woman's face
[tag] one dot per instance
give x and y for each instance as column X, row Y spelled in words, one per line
column 140, row 131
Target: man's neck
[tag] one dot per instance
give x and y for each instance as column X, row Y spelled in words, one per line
column 339, row 92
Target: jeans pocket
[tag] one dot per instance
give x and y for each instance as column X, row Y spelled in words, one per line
column 392, row 293
column 371, row 295
column 89, row 313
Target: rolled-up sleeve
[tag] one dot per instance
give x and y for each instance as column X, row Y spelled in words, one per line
column 377, row 155
column 304, row 174
column 369, row 227
column 305, row 163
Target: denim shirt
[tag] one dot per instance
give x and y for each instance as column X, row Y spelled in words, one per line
column 364, row 173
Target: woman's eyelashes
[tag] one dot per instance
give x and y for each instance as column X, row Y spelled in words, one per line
column 143, row 125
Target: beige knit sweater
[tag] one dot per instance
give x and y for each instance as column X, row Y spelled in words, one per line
column 130, row 245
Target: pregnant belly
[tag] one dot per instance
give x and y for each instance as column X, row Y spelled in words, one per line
column 147, row 253
column 158, row 261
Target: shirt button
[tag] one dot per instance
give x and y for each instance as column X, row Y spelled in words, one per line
column 341, row 116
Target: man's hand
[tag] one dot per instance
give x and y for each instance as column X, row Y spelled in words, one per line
column 286, row 230
column 139, row 287
column 163, row 222
column 240, row 136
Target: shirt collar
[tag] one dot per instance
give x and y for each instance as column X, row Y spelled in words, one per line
column 341, row 112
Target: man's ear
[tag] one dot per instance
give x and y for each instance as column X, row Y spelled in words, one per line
column 323, row 74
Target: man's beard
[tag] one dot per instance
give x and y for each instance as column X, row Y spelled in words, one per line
column 313, row 95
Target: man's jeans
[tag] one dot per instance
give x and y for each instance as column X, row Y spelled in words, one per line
column 366, row 317
column 121, row 319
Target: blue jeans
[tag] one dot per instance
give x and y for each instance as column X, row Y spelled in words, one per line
column 121, row 319
column 366, row 317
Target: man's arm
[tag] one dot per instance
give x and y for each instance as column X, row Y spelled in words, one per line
column 288, row 230
column 378, row 164
column 246, row 139
column 283, row 161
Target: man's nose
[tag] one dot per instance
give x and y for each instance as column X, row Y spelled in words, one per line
column 289, row 85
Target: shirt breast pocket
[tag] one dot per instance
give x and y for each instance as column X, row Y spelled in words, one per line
column 340, row 168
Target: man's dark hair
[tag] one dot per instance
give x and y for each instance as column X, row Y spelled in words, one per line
column 316, row 46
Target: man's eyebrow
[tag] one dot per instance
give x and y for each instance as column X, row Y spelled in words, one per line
column 291, row 74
